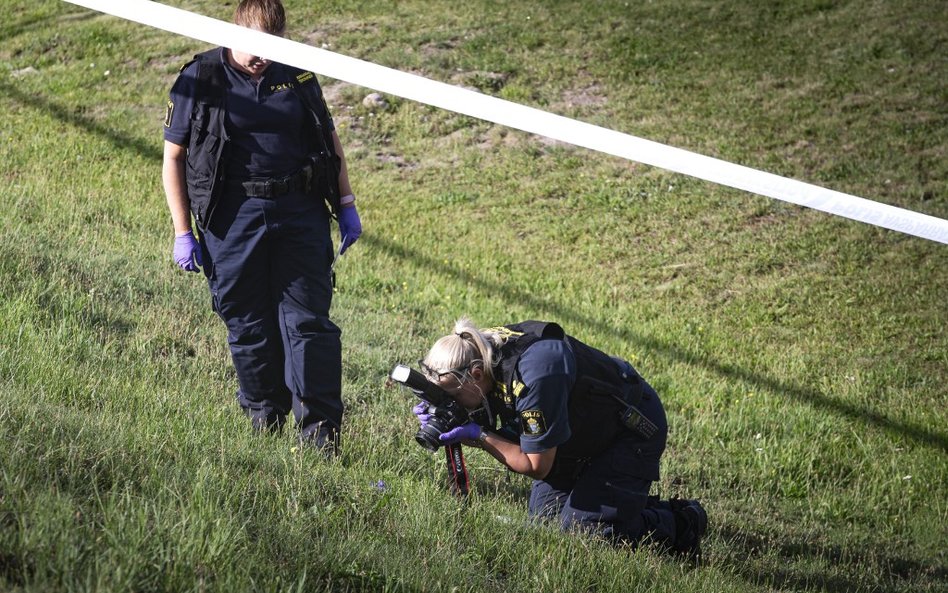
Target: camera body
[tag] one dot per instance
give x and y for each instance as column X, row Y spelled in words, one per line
column 445, row 412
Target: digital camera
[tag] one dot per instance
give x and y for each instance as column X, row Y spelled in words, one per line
column 445, row 412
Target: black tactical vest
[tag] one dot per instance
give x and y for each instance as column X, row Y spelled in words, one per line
column 209, row 141
column 594, row 410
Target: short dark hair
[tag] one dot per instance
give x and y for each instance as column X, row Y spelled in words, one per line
column 265, row 15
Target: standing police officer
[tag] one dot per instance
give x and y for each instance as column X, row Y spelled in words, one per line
column 252, row 153
column 584, row 425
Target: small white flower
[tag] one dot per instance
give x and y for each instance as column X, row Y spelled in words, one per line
column 758, row 436
column 908, row 477
column 503, row 519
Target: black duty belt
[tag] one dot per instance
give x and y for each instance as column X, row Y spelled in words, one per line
column 279, row 186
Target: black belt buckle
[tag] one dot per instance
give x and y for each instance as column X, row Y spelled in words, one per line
column 274, row 188
column 635, row 420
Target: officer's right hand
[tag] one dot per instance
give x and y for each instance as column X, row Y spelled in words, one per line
column 421, row 412
column 466, row 432
column 187, row 252
column 350, row 226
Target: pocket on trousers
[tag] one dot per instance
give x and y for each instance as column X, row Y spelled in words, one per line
column 211, row 275
column 640, row 459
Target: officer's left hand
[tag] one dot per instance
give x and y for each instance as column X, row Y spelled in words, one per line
column 465, row 432
column 420, row 410
column 187, row 252
column 350, row 226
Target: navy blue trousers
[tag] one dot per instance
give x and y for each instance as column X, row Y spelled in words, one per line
column 609, row 496
column 267, row 263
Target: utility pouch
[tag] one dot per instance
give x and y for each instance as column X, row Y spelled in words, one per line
column 594, row 414
column 324, row 182
column 635, row 420
column 567, row 469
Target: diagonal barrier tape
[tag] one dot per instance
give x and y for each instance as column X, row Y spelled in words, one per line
column 528, row 119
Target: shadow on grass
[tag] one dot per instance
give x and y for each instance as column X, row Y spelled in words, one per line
column 148, row 150
column 918, row 434
column 898, row 573
column 25, row 26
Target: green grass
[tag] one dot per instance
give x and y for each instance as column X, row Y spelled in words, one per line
column 802, row 358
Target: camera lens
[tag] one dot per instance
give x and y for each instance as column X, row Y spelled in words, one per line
column 427, row 436
column 443, row 419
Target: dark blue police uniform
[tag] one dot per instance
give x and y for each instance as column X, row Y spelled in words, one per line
column 267, row 255
column 601, row 487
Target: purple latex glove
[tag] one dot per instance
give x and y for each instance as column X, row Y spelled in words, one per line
column 466, row 432
column 187, row 252
column 350, row 227
column 421, row 412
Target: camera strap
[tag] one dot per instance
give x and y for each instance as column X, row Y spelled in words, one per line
column 457, row 470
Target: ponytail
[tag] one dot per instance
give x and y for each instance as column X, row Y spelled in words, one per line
column 467, row 346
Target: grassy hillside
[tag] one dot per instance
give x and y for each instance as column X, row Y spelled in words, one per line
column 802, row 357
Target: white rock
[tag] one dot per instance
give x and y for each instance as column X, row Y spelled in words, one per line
column 375, row 101
column 24, row 72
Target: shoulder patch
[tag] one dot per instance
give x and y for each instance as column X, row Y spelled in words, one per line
column 505, row 333
column 301, row 78
column 169, row 111
column 532, row 422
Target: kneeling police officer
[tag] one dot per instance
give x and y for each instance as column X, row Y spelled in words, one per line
column 585, row 426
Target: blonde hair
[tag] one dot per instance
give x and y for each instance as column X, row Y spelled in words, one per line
column 263, row 15
column 466, row 346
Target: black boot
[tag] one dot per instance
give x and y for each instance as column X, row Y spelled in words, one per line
column 322, row 436
column 271, row 423
column 691, row 523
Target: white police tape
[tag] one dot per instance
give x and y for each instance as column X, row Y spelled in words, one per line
column 475, row 104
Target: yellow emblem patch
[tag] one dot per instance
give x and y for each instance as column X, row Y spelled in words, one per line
column 169, row 111
column 532, row 422
column 505, row 333
column 501, row 388
column 301, row 78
